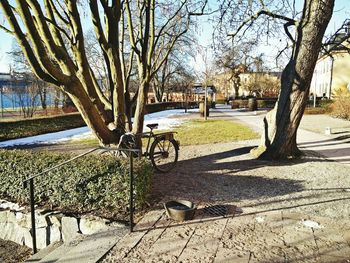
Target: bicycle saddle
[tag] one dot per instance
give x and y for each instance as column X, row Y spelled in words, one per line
column 152, row 125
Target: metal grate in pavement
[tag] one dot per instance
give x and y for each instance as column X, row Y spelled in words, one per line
column 216, row 210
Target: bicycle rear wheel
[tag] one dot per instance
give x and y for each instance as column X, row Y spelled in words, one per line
column 164, row 154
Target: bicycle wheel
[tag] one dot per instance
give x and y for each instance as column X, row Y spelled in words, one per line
column 164, row 154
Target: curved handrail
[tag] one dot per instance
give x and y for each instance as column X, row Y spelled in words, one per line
column 105, row 149
column 74, row 158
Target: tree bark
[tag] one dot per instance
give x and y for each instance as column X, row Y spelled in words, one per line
column 140, row 108
column 91, row 115
column 281, row 124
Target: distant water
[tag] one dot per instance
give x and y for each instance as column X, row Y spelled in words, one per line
column 14, row 100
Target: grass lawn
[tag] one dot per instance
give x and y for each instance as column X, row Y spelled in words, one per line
column 195, row 132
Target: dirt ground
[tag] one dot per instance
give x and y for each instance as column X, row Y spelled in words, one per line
column 11, row 252
column 226, row 173
column 311, row 190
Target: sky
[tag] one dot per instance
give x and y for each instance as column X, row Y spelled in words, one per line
column 270, row 48
column 341, row 12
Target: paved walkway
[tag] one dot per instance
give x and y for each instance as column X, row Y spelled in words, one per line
column 311, row 134
column 275, row 235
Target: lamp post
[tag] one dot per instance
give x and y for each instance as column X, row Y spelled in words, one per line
column 1, row 101
column 205, row 100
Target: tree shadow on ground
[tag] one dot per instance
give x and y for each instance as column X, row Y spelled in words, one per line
column 218, row 177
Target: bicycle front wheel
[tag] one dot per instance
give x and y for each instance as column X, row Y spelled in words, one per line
column 164, row 154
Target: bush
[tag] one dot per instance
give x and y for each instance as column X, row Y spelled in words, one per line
column 234, row 104
column 340, row 107
column 261, row 104
column 30, row 127
column 220, row 101
column 314, row 111
column 94, row 183
column 267, row 102
column 243, row 103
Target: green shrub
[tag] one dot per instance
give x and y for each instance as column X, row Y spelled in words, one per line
column 234, row 104
column 220, row 101
column 30, row 127
column 261, row 104
column 243, row 103
column 94, row 183
column 325, row 104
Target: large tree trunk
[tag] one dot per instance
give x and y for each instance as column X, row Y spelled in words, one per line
column 92, row 116
column 140, row 109
column 281, row 124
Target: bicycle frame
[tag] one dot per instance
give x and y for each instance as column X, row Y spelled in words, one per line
column 151, row 134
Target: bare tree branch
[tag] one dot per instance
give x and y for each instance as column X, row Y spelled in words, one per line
column 57, row 13
column 21, row 38
column 254, row 17
column 7, row 30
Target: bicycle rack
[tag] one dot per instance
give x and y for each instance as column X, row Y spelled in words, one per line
column 131, row 185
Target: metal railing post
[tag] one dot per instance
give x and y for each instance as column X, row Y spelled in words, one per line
column 131, row 173
column 32, row 212
column 31, row 188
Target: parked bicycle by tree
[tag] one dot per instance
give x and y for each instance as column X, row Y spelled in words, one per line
column 161, row 148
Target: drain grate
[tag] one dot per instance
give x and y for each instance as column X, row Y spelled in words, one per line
column 216, row 210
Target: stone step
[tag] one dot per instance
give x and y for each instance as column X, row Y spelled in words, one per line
column 87, row 249
column 44, row 252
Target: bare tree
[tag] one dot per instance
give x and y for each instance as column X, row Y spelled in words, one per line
column 152, row 37
column 51, row 35
column 281, row 124
column 262, row 84
column 175, row 68
column 235, row 60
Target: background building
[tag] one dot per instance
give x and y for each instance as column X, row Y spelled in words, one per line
column 332, row 69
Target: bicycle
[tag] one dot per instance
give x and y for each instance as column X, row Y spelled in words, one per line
column 163, row 151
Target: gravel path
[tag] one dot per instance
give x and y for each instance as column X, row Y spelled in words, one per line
column 227, row 173
column 292, row 211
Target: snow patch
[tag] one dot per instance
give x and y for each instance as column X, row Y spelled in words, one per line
column 166, row 120
column 9, row 205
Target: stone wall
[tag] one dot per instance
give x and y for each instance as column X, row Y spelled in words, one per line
column 50, row 227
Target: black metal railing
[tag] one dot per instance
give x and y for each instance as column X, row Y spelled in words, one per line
column 30, row 180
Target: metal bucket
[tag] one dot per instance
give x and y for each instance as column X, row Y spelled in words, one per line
column 180, row 210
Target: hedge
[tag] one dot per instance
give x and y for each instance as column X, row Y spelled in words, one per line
column 161, row 106
column 98, row 184
column 30, row 127
column 268, row 103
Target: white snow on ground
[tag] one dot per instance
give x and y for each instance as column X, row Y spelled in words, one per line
column 162, row 118
column 9, row 205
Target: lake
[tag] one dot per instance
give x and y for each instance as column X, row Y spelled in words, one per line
column 15, row 100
